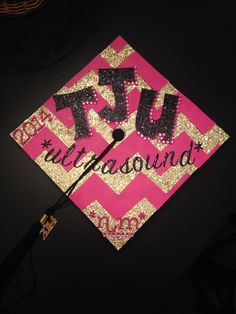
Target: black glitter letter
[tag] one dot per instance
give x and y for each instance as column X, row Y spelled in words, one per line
column 76, row 101
column 117, row 78
column 163, row 127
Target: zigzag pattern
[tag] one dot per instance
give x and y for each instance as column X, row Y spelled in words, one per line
column 91, row 79
column 116, row 58
column 64, row 179
column 213, row 137
column 59, row 175
column 118, row 205
column 118, row 242
column 119, row 186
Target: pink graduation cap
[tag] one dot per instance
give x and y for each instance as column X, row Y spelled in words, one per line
column 167, row 138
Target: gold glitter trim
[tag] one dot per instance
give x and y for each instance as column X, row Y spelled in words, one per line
column 144, row 206
column 91, row 79
column 170, row 177
column 64, row 134
column 166, row 181
column 213, row 137
column 116, row 58
column 117, row 181
column 59, row 175
column 140, row 84
column 106, row 131
column 167, row 89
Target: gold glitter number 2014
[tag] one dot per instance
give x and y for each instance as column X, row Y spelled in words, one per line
column 30, row 127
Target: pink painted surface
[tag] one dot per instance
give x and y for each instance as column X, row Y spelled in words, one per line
column 141, row 187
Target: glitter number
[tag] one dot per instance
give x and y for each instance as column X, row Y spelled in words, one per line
column 38, row 125
column 30, row 127
column 20, row 136
column 44, row 115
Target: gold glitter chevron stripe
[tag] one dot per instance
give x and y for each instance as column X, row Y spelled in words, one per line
column 166, row 181
column 59, row 175
column 170, row 177
column 91, row 79
column 214, row 136
column 116, row 58
column 106, row 131
column 210, row 139
column 66, row 135
column 167, row 89
column 117, row 181
column 144, row 206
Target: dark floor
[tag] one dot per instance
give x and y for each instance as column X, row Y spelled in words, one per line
column 186, row 298
column 34, row 49
column 183, row 299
